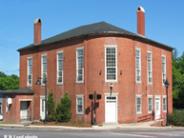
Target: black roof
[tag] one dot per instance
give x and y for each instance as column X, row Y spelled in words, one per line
column 17, row 91
column 95, row 30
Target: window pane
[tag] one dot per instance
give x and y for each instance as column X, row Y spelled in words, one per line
column 79, row 104
column 80, row 64
column 111, row 63
column 60, row 67
column 29, row 71
column 44, row 69
column 138, row 65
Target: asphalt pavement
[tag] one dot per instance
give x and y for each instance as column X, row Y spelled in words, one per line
column 7, row 132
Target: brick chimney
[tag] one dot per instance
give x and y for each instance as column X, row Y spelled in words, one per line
column 141, row 20
column 37, row 31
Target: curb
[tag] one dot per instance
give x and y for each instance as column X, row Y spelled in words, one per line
column 96, row 128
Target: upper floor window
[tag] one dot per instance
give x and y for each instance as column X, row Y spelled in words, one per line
column 29, row 71
column 138, row 104
column 80, row 104
column 110, row 63
column 60, row 67
column 44, row 69
column 138, row 64
column 149, row 67
column 163, row 69
column 80, row 65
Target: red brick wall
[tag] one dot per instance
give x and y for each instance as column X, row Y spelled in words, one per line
column 13, row 115
column 94, row 75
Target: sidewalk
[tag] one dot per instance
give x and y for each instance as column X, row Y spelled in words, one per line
column 104, row 127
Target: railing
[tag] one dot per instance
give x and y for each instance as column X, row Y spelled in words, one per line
column 143, row 118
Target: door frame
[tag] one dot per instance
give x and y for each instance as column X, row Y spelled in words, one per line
column 113, row 95
column 29, row 108
column 157, row 96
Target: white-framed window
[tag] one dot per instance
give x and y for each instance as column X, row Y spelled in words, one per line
column 138, row 104
column 163, row 69
column 138, row 65
column 43, row 68
column 149, row 67
column 60, row 67
column 8, row 103
column 80, row 104
column 150, row 103
column 29, row 71
column 164, row 103
column 1, row 108
column 110, row 63
column 80, row 65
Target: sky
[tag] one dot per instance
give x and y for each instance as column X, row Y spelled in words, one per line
column 164, row 21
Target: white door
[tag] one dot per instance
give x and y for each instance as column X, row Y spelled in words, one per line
column 42, row 107
column 157, row 107
column 111, row 109
column 23, row 110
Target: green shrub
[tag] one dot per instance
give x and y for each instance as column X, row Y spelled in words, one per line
column 177, row 118
column 51, row 108
column 63, row 110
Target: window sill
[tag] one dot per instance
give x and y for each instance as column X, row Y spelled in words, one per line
column 80, row 114
column 59, row 84
column 138, row 113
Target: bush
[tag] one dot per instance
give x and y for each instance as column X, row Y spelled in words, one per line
column 63, row 110
column 177, row 118
column 51, row 108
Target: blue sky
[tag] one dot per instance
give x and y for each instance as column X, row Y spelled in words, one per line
column 164, row 21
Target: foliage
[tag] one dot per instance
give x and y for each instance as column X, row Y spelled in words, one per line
column 51, row 107
column 177, row 118
column 178, row 81
column 8, row 82
column 63, row 110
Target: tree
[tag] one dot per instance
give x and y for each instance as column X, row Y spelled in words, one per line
column 8, row 82
column 51, row 107
column 178, row 81
column 63, row 110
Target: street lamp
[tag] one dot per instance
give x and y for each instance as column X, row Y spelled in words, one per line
column 41, row 81
column 166, row 84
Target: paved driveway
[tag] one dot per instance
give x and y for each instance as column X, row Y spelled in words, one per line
column 113, row 133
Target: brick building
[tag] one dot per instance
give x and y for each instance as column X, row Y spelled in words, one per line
column 126, row 69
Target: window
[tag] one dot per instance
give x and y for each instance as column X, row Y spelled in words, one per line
column 138, row 104
column 8, row 103
column 79, row 104
column 1, row 108
column 60, row 67
column 164, row 100
column 44, row 69
column 79, row 65
column 138, row 65
column 110, row 63
column 163, row 69
column 149, row 67
column 29, row 71
column 150, row 104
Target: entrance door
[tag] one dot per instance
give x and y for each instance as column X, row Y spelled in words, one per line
column 24, row 110
column 157, row 107
column 111, row 109
column 42, row 107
